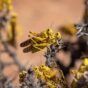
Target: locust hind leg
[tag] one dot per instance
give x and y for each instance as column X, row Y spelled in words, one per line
column 25, row 43
column 32, row 49
column 40, row 46
column 27, row 49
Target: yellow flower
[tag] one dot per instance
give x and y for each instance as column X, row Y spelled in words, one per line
column 22, row 75
column 85, row 62
column 8, row 4
column 12, row 26
column 51, row 84
column 44, row 68
column 1, row 5
column 69, row 29
column 79, row 75
column 7, row 1
column 38, row 73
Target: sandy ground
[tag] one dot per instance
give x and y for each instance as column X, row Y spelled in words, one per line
column 37, row 15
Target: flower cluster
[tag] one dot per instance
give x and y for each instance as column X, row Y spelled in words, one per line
column 81, row 76
column 5, row 12
column 8, row 20
column 42, row 77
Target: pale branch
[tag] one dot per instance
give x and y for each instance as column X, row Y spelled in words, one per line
column 13, row 55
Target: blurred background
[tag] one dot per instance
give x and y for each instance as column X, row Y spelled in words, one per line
column 38, row 15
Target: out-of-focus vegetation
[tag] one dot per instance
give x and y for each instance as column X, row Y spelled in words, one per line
column 81, row 75
column 8, row 20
